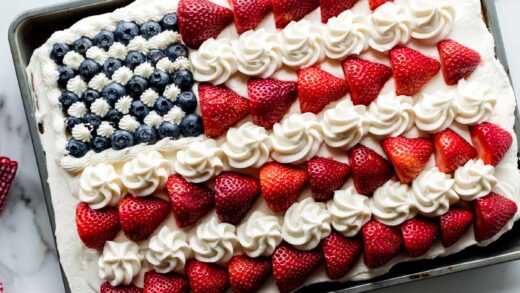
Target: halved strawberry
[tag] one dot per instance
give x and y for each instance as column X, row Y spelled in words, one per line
column 235, row 194
column 326, row 176
column 419, row 234
column 491, row 213
column 365, row 79
column 270, row 99
column 206, row 277
column 249, row 13
column 318, row 88
column 382, row 243
column 95, row 227
column 332, row 8
column 189, row 201
column 248, row 274
column 8, row 170
column 107, row 288
column 451, row 150
column 408, row 156
column 341, row 254
column 457, row 61
column 139, row 216
column 491, row 141
column 369, row 169
column 376, row 3
column 162, row 283
column 286, row 11
column 221, row 108
column 291, row 267
column 412, row 70
column 200, row 20
column 454, row 224
column 281, row 185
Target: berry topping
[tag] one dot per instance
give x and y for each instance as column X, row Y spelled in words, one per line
column 150, row 29
column 77, row 148
column 183, row 79
column 59, row 51
column 111, row 65
column 134, row 59
column 491, row 212
column 126, row 31
column 164, row 283
column 206, row 277
column 376, row 3
column 8, row 170
column 286, row 11
column 281, row 185
column 187, row 101
column 104, row 39
column 326, row 176
column 146, row 134
column 112, row 92
column 170, row 22
column 95, row 227
column 192, row 125
column 107, row 288
column 369, row 169
column 249, row 13
column 452, row 151
column 408, row 156
column 168, row 129
column 139, row 216
column 113, row 116
column 162, row 106
column 318, row 88
column 341, row 254
column 454, row 224
column 159, row 79
column 92, row 119
column 88, row 69
column 248, row 274
column 100, row 144
column 457, row 61
column 382, row 243
column 491, row 141
column 177, row 50
column 89, row 96
column 65, row 73
column 332, row 8
column 155, row 55
column 419, row 234
column 70, row 122
column 67, row 98
column 136, row 86
column 122, row 139
column 82, row 45
column 139, row 110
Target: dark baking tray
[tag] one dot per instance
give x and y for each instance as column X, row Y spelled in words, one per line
column 32, row 28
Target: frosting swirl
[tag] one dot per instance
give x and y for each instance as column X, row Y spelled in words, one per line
column 149, row 97
column 105, row 129
column 304, row 44
column 77, row 109
column 118, row 51
column 144, row 70
column 128, row 123
column 349, row 211
column 474, row 180
column 214, row 242
column 433, row 193
column 393, row 203
column 100, row 107
column 138, row 44
column 123, row 104
column 122, row 75
column 474, row 102
column 199, row 161
column 346, row 34
column 390, row 115
column 120, row 262
column 73, row 59
column 100, row 186
column 434, row 113
column 82, row 133
column 214, row 62
column 97, row 54
column 99, row 82
column 168, row 251
column 432, row 20
column 153, row 119
column 175, row 115
column 145, row 173
column 260, row 234
column 391, row 26
column 163, row 39
column 247, row 146
column 344, row 125
column 77, row 85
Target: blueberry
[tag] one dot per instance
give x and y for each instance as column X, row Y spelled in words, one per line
column 191, row 125
column 183, row 79
column 138, row 110
column 67, row 99
column 59, row 51
column 168, row 129
column 136, row 86
column 82, row 45
column 155, row 55
column 104, row 39
column 111, row 65
column 177, row 50
column 77, row 148
column 89, row 96
column 122, row 139
column 134, row 59
column 162, row 105
column 169, row 22
column 150, row 29
column 65, row 73
column 126, row 31
column 70, row 122
column 88, row 69
column 100, row 144
column 159, row 79
column 146, row 134
column 92, row 119
column 187, row 101
column 112, row 92
column 113, row 116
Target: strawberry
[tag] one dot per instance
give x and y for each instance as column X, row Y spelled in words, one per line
column 249, row 13
column 270, row 99
column 107, row 288
column 369, row 169
column 140, row 216
column 382, row 243
column 206, row 277
column 326, row 176
column 341, row 254
column 221, row 108
column 189, row 201
column 281, row 185
column 8, row 170
column 376, row 3
column 408, row 156
column 200, row 20
column 286, row 11
column 419, row 234
column 365, row 79
column 457, row 61
column 317, row 88
column 454, row 224
column 491, row 141
column 491, row 213
column 291, row 267
column 248, row 274
column 332, row 8
column 412, row 70
column 235, row 194
column 451, row 150
column 95, row 227
column 161, row 283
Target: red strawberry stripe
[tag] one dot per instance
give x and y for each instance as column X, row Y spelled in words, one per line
column 107, row 288
column 382, row 243
column 249, row 13
column 140, row 216
column 409, row 156
column 491, row 213
column 491, row 141
column 419, row 234
column 341, row 254
column 95, row 227
column 281, row 185
column 454, row 224
column 286, row 11
column 206, row 277
column 369, row 169
column 235, row 194
column 326, row 176
column 332, row 8
column 452, row 151
column 164, row 283
column 365, row 79
column 457, row 61
column 318, row 88
column 248, row 274
column 412, row 70
column 8, row 170
column 376, row 3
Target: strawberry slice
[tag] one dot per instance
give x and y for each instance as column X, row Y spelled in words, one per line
column 412, row 70
column 419, row 234
column 8, row 170
column 281, row 185
column 291, row 267
column 221, row 108
column 376, row 3
column 382, row 243
column 451, row 150
column 95, row 227
column 491, row 213
column 332, row 8
column 139, row 216
column 107, row 288
column 408, row 156
column 318, row 88
column 286, row 11
column 454, row 224
column 457, row 61
column 200, row 20
column 248, row 274
column 326, row 176
column 161, row 283
column 249, row 13
column 365, row 79
column 189, row 201
column 369, row 169
column 341, row 254
column 206, row 277
column 491, row 141
column 270, row 99
column 235, row 194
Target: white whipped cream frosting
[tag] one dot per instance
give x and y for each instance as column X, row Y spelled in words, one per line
column 247, row 146
column 391, row 25
column 260, row 234
column 163, row 39
column 175, row 115
column 349, row 211
column 304, row 44
column 168, row 251
column 146, row 173
column 77, row 109
column 172, row 92
column 100, row 186
column 390, row 115
column 346, row 34
column 214, row 62
column 474, row 102
column 77, row 85
column 82, row 133
column 105, row 129
column 73, row 59
column 153, row 119
column 128, row 123
column 433, row 192
column 344, row 125
column 393, row 203
column 138, row 44
column 122, row 75
column 181, row 63
column 165, row 64
column 97, row 54
column 118, row 51
column 98, row 82
column 434, row 113
column 432, row 20
column 123, row 104
column 100, row 107
column 149, row 97
column 200, row 161
column 120, row 262
column 214, row 242
column 144, row 70
column 474, row 180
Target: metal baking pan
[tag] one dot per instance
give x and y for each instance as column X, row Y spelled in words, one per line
column 32, row 28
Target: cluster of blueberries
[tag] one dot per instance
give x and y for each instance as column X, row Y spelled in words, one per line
column 191, row 124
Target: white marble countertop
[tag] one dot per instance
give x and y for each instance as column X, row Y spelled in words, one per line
column 28, row 261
